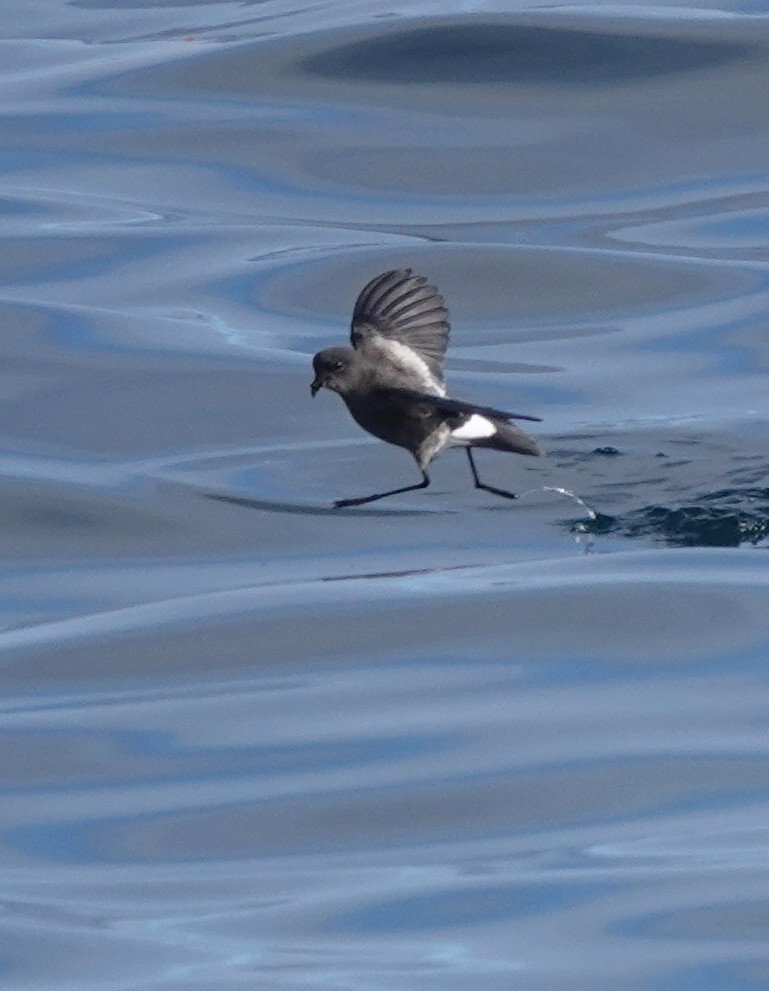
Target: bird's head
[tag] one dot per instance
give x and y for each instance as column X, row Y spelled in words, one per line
column 333, row 369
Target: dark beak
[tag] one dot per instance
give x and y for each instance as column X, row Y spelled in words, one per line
column 317, row 384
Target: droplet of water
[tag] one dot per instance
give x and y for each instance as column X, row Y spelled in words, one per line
column 591, row 513
column 581, row 533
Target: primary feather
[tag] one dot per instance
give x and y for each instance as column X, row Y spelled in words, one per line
column 457, row 407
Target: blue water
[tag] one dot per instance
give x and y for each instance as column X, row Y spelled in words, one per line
column 441, row 741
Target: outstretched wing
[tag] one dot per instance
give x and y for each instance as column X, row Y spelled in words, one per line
column 404, row 308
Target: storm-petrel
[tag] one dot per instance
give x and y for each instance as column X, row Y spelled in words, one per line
column 392, row 381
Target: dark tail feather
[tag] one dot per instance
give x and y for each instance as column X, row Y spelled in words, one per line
column 509, row 438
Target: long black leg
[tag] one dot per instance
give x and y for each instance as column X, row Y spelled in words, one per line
column 481, row 485
column 339, row 503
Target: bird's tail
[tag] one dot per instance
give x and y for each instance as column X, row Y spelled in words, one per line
column 509, row 437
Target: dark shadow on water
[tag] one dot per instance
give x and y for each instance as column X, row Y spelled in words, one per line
column 307, row 509
column 403, row 573
column 473, row 52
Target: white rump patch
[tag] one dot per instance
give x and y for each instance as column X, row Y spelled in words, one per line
column 476, row 428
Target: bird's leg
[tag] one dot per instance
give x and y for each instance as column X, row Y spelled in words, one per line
column 339, row 503
column 481, row 485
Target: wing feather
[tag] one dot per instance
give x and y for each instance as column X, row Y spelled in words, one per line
column 425, row 295
column 403, row 307
column 457, row 407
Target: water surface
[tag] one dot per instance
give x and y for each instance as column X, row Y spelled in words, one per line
column 442, row 741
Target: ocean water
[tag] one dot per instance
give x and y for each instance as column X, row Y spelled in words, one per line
column 443, row 741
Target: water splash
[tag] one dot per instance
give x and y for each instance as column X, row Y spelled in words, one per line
column 582, row 535
column 591, row 513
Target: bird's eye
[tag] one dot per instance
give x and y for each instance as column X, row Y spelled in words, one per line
column 338, row 366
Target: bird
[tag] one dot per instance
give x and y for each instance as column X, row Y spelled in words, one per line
column 391, row 380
